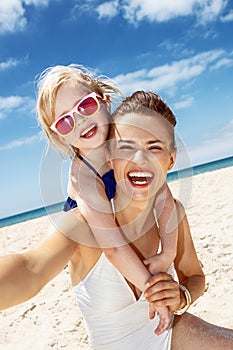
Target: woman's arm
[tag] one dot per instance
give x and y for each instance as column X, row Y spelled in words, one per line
column 23, row 275
column 187, row 265
column 162, row 289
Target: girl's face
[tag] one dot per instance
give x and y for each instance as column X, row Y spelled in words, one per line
column 89, row 132
column 141, row 154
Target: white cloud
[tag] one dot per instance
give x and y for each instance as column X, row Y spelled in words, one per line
column 135, row 11
column 223, row 62
column 168, row 76
column 12, row 14
column 186, row 102
column 177, row 49
column 228, row 129
column 22, row 142
column 2, row 115
column 8, row 64
column 210, row 10
column 37, row 2
column 16, row 103
column 7, row 103
column 228, row 17
column 108, row 9
column 161, row 11
column 215, row 146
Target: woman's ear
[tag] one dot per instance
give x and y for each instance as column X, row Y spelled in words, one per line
column 172, row 159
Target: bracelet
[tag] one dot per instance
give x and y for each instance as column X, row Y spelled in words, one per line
column 188, row 300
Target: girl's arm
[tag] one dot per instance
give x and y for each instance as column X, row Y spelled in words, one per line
column 166, row 214
column 23, row 275
column 96, row 209
column 110, row 239
column 188, row 269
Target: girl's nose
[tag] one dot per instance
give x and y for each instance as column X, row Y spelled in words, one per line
column 78, row 118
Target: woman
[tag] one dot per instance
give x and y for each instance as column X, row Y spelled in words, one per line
column 74, row 111
column 141, row 147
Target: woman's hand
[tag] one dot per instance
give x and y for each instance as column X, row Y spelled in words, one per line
column 162, row 290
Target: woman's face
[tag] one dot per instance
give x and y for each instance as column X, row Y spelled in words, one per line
column 89, row 133
column 141, row 154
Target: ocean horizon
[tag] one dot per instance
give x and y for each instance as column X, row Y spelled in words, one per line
column 172, row 176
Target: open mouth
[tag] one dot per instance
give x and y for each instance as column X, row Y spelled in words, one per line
column 140, row 178
column 89, row 132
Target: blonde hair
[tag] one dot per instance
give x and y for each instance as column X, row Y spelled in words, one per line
column 48, row 83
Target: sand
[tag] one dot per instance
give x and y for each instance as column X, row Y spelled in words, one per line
column 51, row 320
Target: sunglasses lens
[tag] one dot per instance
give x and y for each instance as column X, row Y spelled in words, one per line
column 88, row 107
column 65, row 125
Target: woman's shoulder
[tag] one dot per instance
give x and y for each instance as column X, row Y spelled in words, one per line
column 73, row 226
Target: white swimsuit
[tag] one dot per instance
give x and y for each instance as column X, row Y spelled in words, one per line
column 114, row 319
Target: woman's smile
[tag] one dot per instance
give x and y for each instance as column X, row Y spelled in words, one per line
column 140, row 178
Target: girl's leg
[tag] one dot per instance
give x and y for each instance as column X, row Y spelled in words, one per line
column 191, row 332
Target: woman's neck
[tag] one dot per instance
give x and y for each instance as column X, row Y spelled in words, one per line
column 134, row 217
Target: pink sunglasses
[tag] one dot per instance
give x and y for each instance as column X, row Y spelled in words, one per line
column 87, row 107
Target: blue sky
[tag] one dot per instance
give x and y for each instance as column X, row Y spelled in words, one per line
column 181, row 49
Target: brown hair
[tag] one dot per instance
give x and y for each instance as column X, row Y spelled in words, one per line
column 145, row 103
column 141, row 100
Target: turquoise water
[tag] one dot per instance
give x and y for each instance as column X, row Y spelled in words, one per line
column 198, row 169
column 202, row 168
column 32, row 214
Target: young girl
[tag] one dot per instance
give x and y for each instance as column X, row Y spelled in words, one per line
column 74, row 110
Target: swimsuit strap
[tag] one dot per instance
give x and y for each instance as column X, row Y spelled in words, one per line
column 89, row 166
column 108, row 178
column 108, row 181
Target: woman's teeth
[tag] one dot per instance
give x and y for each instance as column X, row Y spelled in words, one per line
column 140, row 178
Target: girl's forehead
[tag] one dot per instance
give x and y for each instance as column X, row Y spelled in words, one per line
column 72, row 88
column 67, row 95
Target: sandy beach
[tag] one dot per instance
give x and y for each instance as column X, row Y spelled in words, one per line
column 51, row 320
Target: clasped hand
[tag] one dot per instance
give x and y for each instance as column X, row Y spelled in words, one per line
column 162, row 290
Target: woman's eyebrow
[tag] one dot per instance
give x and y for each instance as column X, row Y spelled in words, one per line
column 151, row 142
column 126, row 141
column 154, row 141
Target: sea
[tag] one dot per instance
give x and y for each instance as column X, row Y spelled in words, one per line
column 198, row 169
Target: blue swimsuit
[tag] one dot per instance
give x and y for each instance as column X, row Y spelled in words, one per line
column 108, row 180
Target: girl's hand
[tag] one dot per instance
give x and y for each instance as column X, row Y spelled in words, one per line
column 164, row 317
column 158, row 262
column 162, row 290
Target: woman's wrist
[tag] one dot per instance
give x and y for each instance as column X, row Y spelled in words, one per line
column 186, row 300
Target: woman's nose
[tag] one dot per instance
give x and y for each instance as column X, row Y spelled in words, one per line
column 140, row 156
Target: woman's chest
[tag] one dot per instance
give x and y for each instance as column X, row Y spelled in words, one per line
column 104, row 289
column 142, row 235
